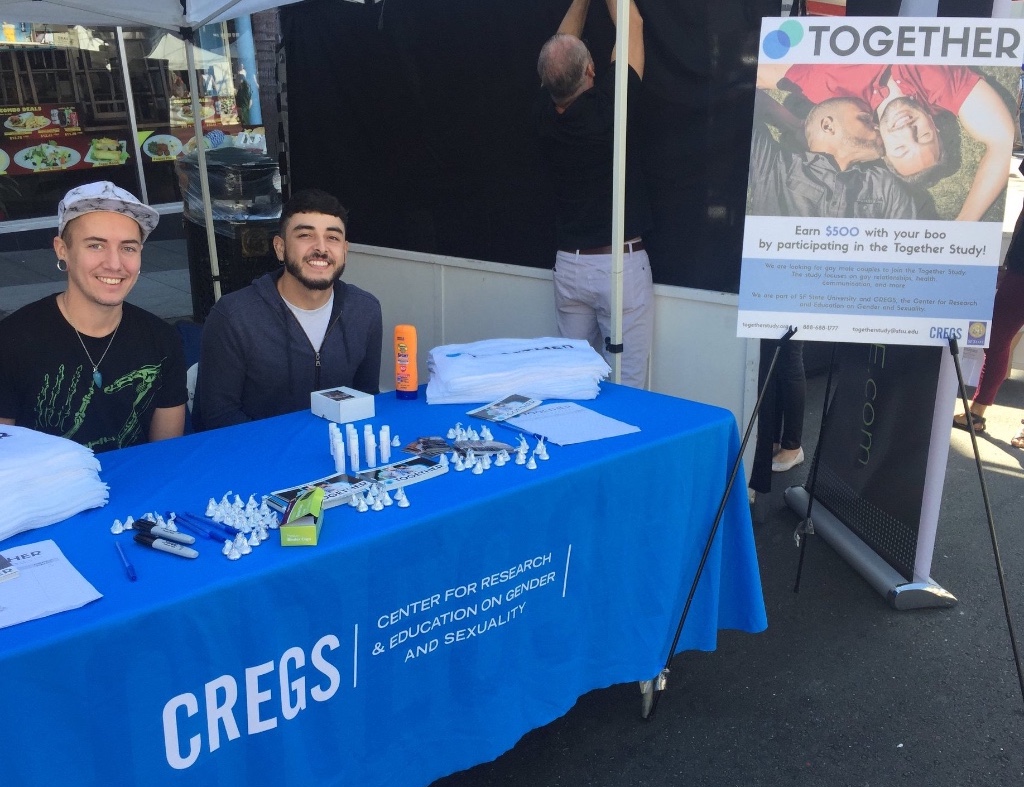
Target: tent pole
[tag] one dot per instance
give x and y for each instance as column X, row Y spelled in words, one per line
column 619, row 178
column 132, row 121
column 204, row 178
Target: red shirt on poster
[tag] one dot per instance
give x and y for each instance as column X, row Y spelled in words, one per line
column 935, row 87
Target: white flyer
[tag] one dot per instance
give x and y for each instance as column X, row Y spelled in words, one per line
column 566, row 423
column 46, row 584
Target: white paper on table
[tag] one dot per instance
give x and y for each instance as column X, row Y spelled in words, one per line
column 567, row 423
column 46, row 584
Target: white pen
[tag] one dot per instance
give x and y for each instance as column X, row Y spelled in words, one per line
column 338, row 451
column 370, row 445
column 352, row 442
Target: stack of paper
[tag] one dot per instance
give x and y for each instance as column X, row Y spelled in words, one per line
column 45, row 585
column 44, row 479
column 545, row 368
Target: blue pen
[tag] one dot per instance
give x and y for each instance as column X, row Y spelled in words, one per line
column 227, row 530
column 193, row 523
column 198, row 529
column 129, row 569
column 209, row 524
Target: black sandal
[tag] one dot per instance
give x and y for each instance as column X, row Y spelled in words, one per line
column 977, row 420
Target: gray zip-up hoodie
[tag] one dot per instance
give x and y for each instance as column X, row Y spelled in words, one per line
column 256, row 360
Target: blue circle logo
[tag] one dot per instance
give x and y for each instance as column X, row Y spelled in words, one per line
column 777, row 43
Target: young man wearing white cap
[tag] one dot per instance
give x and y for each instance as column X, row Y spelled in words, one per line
column 83, row 364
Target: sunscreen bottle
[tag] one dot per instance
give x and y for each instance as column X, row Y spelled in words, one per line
column 406, row 381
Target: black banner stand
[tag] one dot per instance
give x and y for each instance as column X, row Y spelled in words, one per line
column 890, row 583
column 900, row 594
column 651, row 690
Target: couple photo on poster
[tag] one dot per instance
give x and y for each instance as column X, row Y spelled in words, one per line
column 874, row 141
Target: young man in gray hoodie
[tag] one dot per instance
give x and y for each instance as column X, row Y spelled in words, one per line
column 295, row 330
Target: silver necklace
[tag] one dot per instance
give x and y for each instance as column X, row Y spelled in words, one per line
column 97, row 378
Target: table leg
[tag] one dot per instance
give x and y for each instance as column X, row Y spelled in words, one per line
column 647, row 690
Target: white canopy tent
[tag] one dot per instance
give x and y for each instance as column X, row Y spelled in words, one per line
column 81, row 38
column 172, row 49
column 182, row 17
column 186, row 16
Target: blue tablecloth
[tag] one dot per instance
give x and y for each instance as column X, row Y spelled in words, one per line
column 410, row 643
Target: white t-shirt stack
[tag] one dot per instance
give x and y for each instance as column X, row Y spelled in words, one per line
column 544, row 368
column 44, row 479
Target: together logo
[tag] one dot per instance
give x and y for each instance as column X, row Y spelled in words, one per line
column 778, row 42
column 861, row 40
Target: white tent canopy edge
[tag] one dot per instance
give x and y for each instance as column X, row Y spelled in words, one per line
column 175, row 15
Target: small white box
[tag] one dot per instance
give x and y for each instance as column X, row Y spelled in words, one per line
column 342, row 405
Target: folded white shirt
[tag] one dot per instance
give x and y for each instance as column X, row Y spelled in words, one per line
column 44, row 479
column 543, row 368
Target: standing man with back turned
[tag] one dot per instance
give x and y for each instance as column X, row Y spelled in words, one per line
column 83, row 364
column 577, row 129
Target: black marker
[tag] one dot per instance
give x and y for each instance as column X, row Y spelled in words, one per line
column 148, row 526
column 149, row 540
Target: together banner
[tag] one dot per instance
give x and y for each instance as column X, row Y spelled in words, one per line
column 879, row 163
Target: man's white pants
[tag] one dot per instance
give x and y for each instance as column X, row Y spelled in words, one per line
column 583, row 302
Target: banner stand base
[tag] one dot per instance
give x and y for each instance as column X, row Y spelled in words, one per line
column 892, row 585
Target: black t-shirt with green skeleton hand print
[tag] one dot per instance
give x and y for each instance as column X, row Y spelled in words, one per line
column 46, row 379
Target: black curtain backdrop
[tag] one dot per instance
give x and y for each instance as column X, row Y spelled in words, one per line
column 418, row 115
column 965, row 8
column 892, row 7
column 873, row 7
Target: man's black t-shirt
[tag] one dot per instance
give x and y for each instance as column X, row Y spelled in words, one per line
column 577, row 148
column 46, row 380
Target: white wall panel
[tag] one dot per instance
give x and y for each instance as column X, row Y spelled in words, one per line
column 450, row 300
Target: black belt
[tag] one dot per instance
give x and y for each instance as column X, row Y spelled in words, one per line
column 627, row 248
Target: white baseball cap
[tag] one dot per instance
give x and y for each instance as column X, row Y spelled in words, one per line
column 105, row 196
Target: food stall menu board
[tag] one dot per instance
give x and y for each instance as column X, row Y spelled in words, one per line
column 42, row 121
column 48, row 137
column 216, row 111
column 169, row 144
